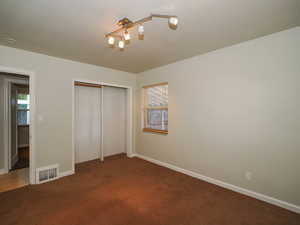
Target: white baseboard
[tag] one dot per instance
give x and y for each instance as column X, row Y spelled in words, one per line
column 132, row 155
column 66, row 173
column 3, row 171
column 265, row 198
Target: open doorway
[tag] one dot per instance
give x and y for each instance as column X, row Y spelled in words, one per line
column 14, row 124
column 20, row 121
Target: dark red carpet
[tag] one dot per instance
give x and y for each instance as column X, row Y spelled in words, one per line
column 123, row 191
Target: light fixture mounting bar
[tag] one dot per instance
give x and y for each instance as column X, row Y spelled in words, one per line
column 115, row 35
column 134, row 24
column 162, row 16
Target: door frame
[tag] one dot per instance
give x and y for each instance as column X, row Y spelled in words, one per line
column 8, row 82
column 129, row 115
column 32, row 166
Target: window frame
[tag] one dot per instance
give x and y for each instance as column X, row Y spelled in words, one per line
column 145, row 109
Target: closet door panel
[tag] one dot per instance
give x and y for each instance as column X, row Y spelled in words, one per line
column 114, row 120
column 87, row 123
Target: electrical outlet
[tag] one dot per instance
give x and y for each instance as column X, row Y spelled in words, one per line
column 248, row 175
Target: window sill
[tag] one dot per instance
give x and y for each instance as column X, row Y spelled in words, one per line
column 155, row 131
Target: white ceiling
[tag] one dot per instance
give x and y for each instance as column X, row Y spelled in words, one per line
column 74, row 29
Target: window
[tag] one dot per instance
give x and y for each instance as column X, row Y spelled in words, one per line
column 23, row 113
column 156, row 108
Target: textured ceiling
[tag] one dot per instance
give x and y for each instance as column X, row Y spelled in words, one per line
column 74, row 29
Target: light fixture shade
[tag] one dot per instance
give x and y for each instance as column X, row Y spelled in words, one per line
column 126, row 36
column 141, row 29
column 173, row 22
column 141, row 32
column 121, row 44
column 111, row 41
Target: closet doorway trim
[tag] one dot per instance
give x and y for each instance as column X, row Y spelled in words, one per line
column 129, row 115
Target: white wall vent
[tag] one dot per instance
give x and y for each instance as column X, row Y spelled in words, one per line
column 45, row 174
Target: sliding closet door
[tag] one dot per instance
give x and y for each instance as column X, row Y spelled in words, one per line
column 87, row 123
column 114, row 120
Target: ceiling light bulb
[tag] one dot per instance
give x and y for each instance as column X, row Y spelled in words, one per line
column 111, row 40
column 173, row 22
column 121, row 44
column 141, row 32
column 141, row 29
column 126, row 36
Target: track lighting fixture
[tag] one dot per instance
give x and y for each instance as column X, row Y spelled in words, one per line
column 173, row 21
column 141, row 32
column 125, row 24
column 126, row 35
column 111, row 41
column 141, row 29
column 121, row 45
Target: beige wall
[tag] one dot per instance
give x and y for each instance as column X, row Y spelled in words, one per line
column 53, row 81
column 234, row 110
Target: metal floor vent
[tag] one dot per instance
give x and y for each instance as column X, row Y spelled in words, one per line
column 45, row 174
